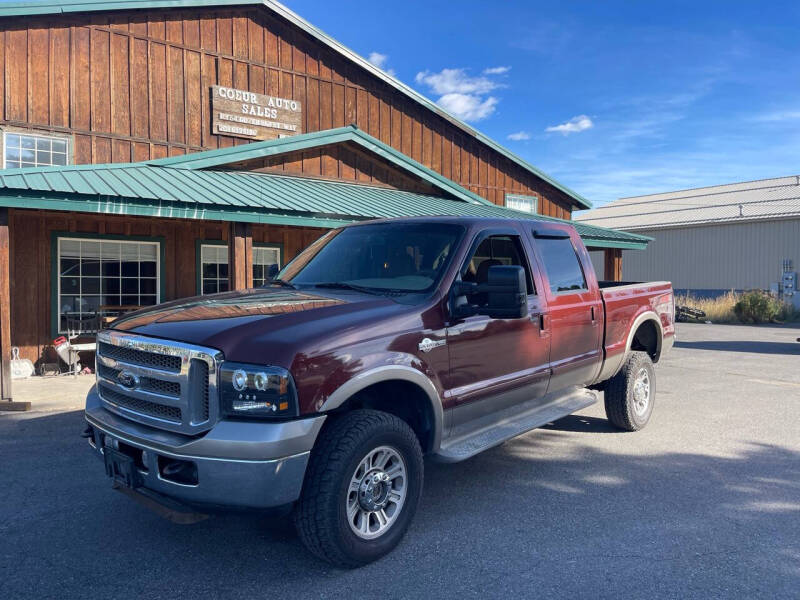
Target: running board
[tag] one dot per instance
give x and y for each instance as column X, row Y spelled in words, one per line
column 513, row 422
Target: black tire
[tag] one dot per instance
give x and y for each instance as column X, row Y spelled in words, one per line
column 620, row 400
column 321, row 516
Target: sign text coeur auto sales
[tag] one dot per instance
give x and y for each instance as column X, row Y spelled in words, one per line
column 255, row 116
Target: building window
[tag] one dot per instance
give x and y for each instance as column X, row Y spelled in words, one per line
column 213, row 268
column 33, row 150
column 528, row 204
column 100, row 278
column 266, row 263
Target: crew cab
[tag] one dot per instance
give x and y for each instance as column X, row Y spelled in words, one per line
column 382, row 342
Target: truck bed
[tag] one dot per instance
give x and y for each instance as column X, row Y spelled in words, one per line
column 625, row 301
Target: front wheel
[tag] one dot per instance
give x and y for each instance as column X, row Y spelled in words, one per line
column 630, row 394
column 361, row 489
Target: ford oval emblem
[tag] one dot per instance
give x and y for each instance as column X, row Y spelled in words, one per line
column 128, row 380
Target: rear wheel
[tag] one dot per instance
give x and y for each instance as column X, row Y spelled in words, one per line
column 361, row 490
column 630, row 394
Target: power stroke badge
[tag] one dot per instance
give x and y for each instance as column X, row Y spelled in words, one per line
column 428, row 344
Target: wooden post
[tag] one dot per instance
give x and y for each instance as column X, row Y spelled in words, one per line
column 240, row 256
column 613, row 264
column 6, row 402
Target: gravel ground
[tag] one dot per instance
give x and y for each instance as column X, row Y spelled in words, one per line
column 705, row 502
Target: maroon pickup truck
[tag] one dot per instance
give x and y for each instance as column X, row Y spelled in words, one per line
column 381, row 342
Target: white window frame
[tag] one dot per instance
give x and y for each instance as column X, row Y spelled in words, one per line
column 274, row 247
column 57, row 268
column 200, row 278
column 532, row 200
column 26, row 133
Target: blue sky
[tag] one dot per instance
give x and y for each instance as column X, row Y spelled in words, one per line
column 612, row 98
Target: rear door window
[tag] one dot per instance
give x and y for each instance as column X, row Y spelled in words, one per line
column 561, row 263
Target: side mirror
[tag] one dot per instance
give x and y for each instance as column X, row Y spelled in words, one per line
column 503, row 296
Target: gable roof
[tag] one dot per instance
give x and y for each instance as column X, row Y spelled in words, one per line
column 305, row 141
column 731, row 203
column 78, row 6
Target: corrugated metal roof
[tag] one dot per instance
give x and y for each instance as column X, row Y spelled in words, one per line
column 50, row 7
column 162, row 191
column 736, row 202
column 351, row 133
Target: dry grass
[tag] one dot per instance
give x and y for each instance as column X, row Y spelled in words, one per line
column 718, row 310
column 721, row 309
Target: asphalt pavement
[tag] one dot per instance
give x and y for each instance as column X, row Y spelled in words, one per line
column 704, row 503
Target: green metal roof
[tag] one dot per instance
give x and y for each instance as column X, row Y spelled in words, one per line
column 76, row 6
column 163, row 191
column 225, row 156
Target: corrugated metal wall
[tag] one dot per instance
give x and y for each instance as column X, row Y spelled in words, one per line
column 714, row 257
column 598, row 261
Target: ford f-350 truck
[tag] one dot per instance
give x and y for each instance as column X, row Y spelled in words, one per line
column 380, row 343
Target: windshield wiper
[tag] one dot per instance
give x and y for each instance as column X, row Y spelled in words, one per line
column 282, row 283
column 343, row 285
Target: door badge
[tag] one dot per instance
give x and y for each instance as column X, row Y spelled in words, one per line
column 428, row 344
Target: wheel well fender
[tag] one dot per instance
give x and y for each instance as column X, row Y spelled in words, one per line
column 382, row 388
column 646, row 335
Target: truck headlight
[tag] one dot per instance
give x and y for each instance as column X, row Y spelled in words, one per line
column 256, row 391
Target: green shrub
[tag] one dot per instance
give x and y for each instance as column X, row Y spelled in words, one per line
column 756, row 306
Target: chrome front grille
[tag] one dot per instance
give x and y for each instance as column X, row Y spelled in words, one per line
column 125, row 402
column 148, row 384
column 165, row 384
column 140, row 357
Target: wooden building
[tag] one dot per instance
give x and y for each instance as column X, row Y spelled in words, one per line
column 166, row 148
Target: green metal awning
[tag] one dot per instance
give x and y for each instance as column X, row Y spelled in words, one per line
column 155, row 190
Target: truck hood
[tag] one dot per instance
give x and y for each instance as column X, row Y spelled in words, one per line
column 265, row 325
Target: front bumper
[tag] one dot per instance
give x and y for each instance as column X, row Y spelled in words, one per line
column 235, row 464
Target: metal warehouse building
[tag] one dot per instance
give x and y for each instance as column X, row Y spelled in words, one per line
column 158, row 149
column 710, row 240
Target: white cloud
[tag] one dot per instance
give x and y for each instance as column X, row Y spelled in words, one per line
column 574, row 125
column 456, row 81
column 519, row 136
column 464, row 95
column 496, row 70
column 468, row 107
column 777, row 117
column 377, row 59
column 380, row 61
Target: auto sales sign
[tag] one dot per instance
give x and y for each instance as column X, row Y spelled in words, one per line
column 255, row 116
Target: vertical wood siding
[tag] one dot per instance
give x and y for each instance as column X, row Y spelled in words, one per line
column 134, row 85
column 30, row 238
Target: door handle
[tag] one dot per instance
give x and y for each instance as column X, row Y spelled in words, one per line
column 593, row 314
column 542, row 320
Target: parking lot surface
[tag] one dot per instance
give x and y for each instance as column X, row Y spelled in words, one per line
column 705, row 502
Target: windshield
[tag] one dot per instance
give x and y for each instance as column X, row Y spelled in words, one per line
column 400, row 257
